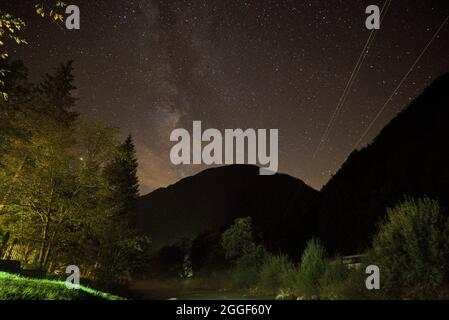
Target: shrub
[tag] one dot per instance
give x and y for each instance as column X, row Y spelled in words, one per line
column 246, row 269
column 244, row 276
column 311, row 269
column 276, row 272
column 333, row 279
column 353, row 287
column 411, row 249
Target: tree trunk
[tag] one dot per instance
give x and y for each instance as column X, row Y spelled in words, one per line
column 47, row 252
column 44, row 244
column 50, row 243
column 26, row 254
column 43, row 252
column 11, row 251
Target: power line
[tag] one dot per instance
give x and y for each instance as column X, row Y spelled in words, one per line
column 348, row 84
column 387, row 3
column 351, row 80
column 400, row 83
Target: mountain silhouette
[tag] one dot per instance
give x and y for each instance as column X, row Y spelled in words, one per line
column 215, row 197
column 409, row 158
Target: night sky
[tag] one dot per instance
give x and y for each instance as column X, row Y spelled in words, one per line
column 149, row 67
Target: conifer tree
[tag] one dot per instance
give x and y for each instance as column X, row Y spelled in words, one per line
column 57, row 90
column 121, row 174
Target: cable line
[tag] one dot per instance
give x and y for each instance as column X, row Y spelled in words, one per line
column 400, row 83
column 351, row 80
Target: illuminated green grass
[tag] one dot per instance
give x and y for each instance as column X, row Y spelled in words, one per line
column 14, row 287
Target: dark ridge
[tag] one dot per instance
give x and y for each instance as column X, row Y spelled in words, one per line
column 410, row 157
column 215, row 197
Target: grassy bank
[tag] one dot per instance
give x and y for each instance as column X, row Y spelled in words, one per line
column 14, row 287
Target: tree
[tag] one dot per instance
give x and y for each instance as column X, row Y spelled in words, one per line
column 121, row 175
column 37, row 161
column 47, row 183
column 83, row 235
column 67, row 187
column 411, row 249
column 15, row 119
column 122, row 248
column 243, row 252
column 42, row 183
column 56, row 89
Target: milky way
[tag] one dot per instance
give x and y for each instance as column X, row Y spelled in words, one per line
column 149, row 67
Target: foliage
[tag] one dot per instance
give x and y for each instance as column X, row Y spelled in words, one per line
column 311, row 269
column 52, row 10
column 169, row 261
column 411, row 249
column 406, row 157
column 14, row 287
column 243, row 252
column 121, row 175
column 10, row 26
column 333, row 279
column 351, row 287
column 124, row 249
column 207, row 254
column 4, row 238
column 59, row 197
column 238, row 239
column 127, row 254
column 277, row 272
column 40, row 186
